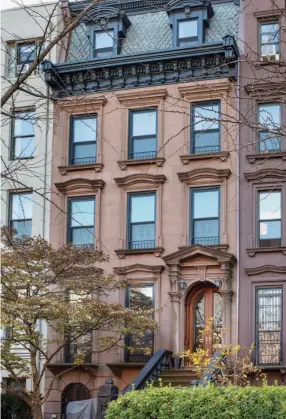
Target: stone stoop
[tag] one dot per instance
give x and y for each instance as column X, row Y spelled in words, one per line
column 177, row 378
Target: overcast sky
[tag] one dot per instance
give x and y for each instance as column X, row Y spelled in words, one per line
column 9, row 4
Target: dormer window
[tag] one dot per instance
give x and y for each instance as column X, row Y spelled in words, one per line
column 103, row 42
column 187, row 32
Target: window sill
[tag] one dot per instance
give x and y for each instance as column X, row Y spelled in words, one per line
column 265, row 156
column 222, row 155
column 117, row 368
column 252, row 252
column 64, row 170
column 22, row 158
column 122, row 253
column 123, row 164
column 282, row 368
column 262, row 63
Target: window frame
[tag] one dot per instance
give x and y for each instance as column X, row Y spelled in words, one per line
column 10, row 217
column 102, row 52
column 256, row 331
column 193, row 131
column 14, row 137
column 132, row 137
column 127, row 340
column 260, row 44
column 23, row 44
column 69, row 226
column 129, row 224
column 193, row 190
column 258, row 192
column 72, row 143
column 261, row 131
column 189, row 41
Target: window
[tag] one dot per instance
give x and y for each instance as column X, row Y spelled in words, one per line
column 26, row 53
column 205, row 222
column 83, row 139
column 269, row 222
column 269, row 325
column 269, row 118
column 187, row 32
column 81, row 214
column 140, row 299
column 141, row 220
column 103, row 42
column 23, row 135
column 21, row 213
column 206, row 128
column 143, row 134
column 269, row 38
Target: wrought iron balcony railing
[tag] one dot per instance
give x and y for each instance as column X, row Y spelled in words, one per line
column 206, row 241
column 143, row 155
column 144, row 244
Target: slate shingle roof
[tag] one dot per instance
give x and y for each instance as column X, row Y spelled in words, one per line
column 151, row 32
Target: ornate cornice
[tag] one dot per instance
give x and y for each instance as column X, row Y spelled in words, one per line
column 130, row 98
column 144, row 69
column 71, row 185
column 208, row 90
column 266, row 269
column 187, row 253
column 204, row 174
column 269, row 90
column 136, row 6
column 138, row 178
column 138, row 267
column 263, row 174
column 90, row 102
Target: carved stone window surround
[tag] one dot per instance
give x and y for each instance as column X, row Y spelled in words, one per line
column 252, row 158
column 266, row 269
column 200, row 178
column 76, row 107
column 207, row 91
column 143, row 274
column 81, row 187
column 140, row 183
column 274, row 93
column 135, row 101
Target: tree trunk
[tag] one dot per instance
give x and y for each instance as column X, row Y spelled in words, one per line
column 37, row 411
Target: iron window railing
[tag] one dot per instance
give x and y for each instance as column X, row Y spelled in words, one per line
column 206, row 127
column 83, row 139
column 205, row 216
column 142, row 134
column 269, row 326
column 206, row 241
column 141, row 220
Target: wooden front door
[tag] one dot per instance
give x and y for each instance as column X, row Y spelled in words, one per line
column 203, row 319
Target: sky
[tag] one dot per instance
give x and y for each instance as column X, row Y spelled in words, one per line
column 9, row 4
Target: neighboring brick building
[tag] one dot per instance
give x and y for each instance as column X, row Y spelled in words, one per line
column 262, row 168
column 145, row 168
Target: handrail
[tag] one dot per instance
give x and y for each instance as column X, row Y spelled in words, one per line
column 151, row 370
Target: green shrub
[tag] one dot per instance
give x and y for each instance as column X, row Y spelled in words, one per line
column 201, row 403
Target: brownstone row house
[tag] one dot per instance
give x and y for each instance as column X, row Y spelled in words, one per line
column 168, row 155
column 262, row 197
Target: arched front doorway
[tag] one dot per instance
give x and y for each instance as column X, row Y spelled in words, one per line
column 72, row 393
column 203, row 311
